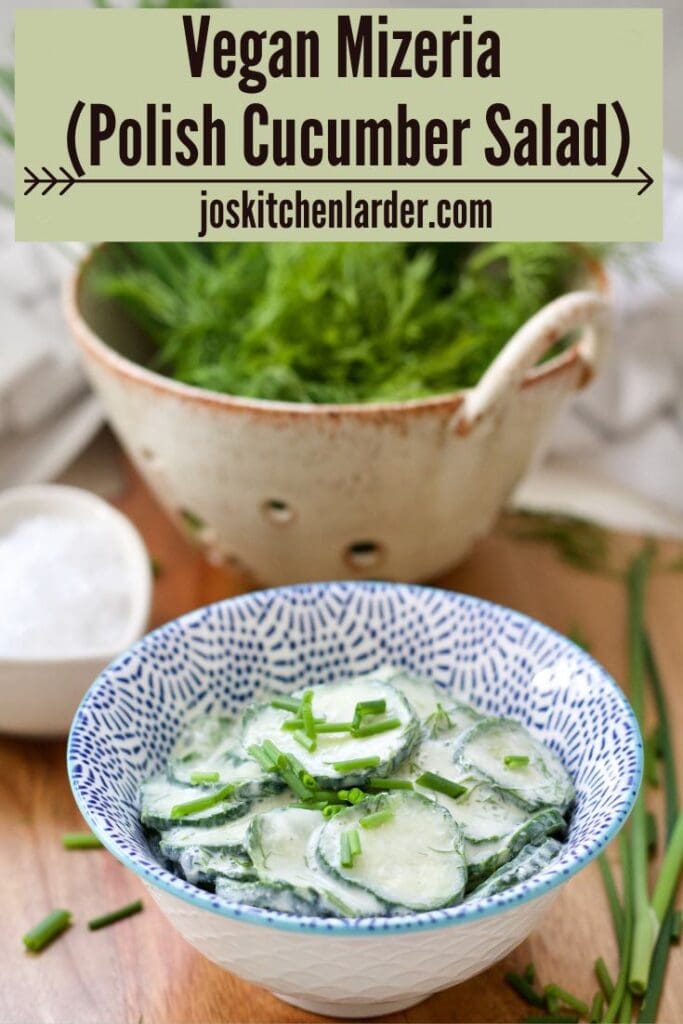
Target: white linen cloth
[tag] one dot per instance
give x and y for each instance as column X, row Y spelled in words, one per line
column 46, row 412
column 628, row 425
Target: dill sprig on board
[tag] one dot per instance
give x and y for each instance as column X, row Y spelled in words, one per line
column 333, row 322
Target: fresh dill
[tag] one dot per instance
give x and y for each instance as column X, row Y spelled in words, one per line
column 332, row 322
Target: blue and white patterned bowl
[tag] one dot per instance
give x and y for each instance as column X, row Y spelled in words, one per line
column 219, row 658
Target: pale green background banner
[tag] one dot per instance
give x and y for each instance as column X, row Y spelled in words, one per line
column 567, row 62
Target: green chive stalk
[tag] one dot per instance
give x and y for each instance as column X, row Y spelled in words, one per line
column 660, row 956
column 670, row 871
column 664, row 737
column 621, row 985
column 616, row 909
column 644, row 931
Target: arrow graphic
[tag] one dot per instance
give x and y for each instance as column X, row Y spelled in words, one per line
column 67, row 180
column 49, row 181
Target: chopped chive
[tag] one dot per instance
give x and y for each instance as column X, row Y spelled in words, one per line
column 311, row 805
column 368, row 707
column 596, row 1009
column 333, row 726
column 329, row 795
column 567, row 999
column 352, row 796
column 197, row 778
column 357, row 763
column 529, row 973
column 202, row 802
column 289, row 776
column 377, row 727
column 676, row 926
column 430, row 780
column 604, row 979
column 524, row 989
column 376, row 819
column 116, row 915
column 552, row 1004
column 260, row 756
column 332, row 809
column 354, row 842
column 80, row 841
column 345, row 855
column 285, row 704
column 389, row 784
column 307, row 714
column 49, row 928
column 309, row 743
column 272, row 752
column 308, row 780
column 298, row 723
column 515, row 761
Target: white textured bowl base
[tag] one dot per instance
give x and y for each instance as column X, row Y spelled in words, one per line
column 363, row 1011
column 389, row 972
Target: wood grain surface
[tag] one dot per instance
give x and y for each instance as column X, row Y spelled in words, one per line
column 141, row 970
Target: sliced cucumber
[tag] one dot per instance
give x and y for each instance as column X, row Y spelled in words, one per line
column 484, row 858
column 230, row 837
column 438, row 756
column 529, row 861
column 540, row 780
column 158, row 797
column 277, row 843
column 211, row 744
column 422, row 695
column 452, row 719
column 336, row 702
column 271, row 897
column 202, row 867
column 202, row 734
column 484, row 812
column 413, row 860
column 282, row 845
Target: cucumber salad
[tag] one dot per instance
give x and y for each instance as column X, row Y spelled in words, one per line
column 377, row 795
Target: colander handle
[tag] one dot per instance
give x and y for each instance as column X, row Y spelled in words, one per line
column 517, row 360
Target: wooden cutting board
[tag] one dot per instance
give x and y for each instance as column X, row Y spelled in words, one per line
column 140, row 970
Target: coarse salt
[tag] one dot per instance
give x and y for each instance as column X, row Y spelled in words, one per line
column 64, row 588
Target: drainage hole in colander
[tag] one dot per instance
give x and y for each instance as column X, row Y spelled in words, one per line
column 364, row 554
column 278, row 511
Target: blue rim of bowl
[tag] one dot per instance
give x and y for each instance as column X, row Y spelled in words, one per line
column 556, row 874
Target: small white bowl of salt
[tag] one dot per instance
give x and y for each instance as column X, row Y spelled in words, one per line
column 75, row 591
